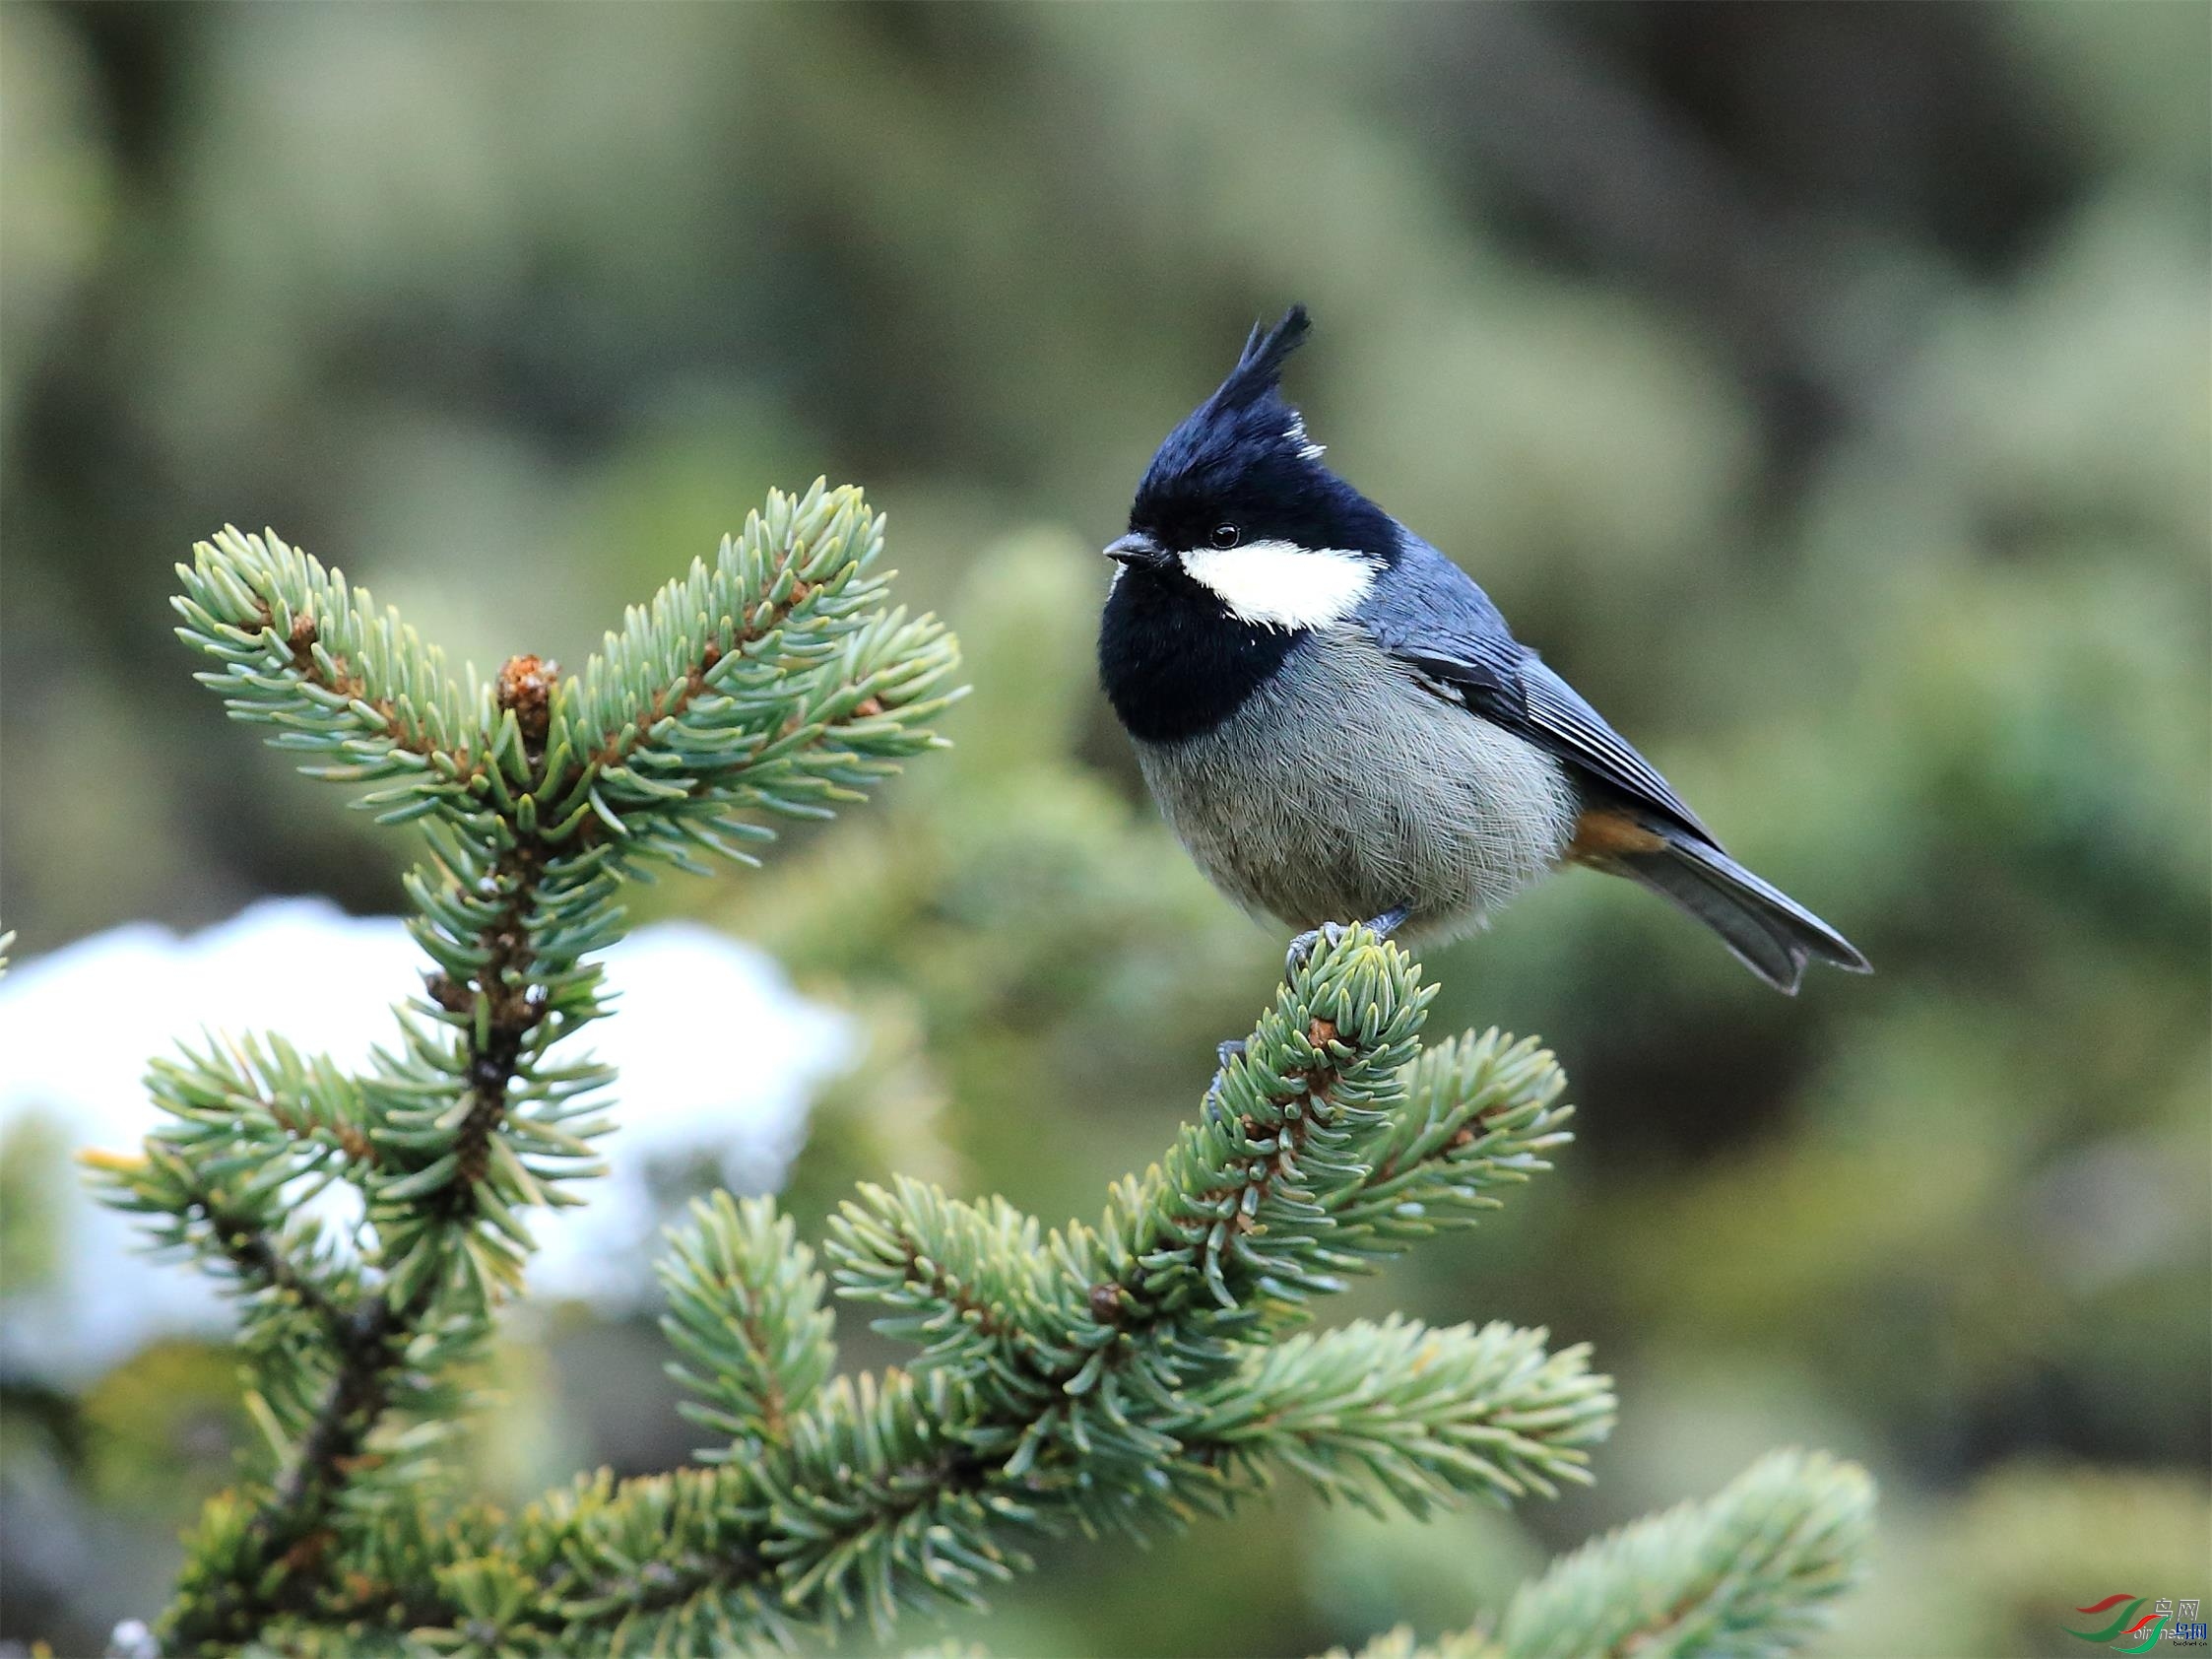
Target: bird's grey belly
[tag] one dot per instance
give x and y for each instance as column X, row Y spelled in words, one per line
column 1343, row 789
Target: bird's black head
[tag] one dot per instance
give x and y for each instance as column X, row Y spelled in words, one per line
column 1242, row 461
column 1241, row 545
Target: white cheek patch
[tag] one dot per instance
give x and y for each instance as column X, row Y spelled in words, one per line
column 1280, row 584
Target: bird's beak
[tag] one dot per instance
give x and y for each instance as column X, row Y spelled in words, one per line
column 1135, row 547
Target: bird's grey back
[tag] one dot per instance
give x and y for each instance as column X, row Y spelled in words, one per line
column 1342, row 788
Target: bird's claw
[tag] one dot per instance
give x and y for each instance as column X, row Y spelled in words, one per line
column 1306, row 943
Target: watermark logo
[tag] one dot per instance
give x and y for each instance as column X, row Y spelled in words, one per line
column 2134, row 1630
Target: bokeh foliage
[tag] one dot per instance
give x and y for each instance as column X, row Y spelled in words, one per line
column 1824, row 388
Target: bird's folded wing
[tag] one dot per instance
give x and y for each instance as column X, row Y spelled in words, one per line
column 1435, row 618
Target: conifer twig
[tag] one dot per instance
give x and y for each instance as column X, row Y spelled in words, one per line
column 1094, row 1377
column 1748, row 1574
column 769, row 682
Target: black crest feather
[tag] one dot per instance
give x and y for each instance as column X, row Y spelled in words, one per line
column 1259, row 370
column 1240, row 442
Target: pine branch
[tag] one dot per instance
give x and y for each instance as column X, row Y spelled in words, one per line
column 1230, row 1231
column 1482, row 1114
column 744, row 1307
column 246, row 1089
column 970, row 1284
column 769, row 680
column 1421, row 1417
column 772, row 682
column 239, row 1234
column 1239, row 1212
column 356, row 691
column 1317, row 1158
column 397, row 1349
column 1095, row 1378
column 1744, row 1574
column 906, row 1492
column 1049, row 1396
column 257, row 1130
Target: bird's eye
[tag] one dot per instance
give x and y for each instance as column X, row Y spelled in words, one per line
column 1226, row 535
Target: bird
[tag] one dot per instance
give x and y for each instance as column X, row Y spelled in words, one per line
column 1339, row 727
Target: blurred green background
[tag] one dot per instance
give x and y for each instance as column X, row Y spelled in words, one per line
column 1825, row 389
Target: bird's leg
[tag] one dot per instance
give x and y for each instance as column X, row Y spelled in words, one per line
column 1389, row 922
column 1302, row 947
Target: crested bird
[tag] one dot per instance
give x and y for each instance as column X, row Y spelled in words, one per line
column 1338, row 725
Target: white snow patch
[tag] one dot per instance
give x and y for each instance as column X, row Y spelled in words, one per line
column 718, row 1058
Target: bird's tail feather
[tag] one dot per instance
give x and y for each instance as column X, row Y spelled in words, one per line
column 1769, row 932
